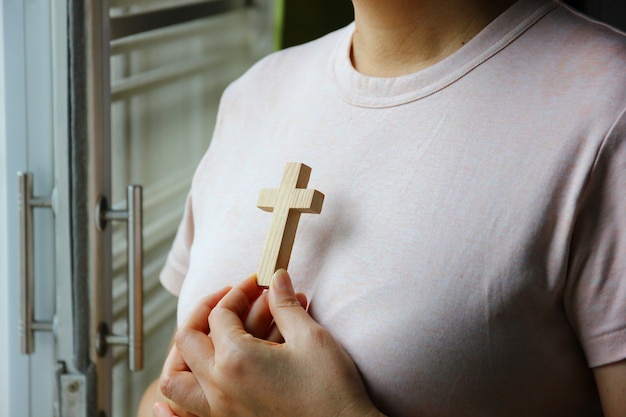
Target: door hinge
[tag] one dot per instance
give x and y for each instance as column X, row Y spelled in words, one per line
column 74, row 393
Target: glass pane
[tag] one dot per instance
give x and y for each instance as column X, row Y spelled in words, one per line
column 121, row 7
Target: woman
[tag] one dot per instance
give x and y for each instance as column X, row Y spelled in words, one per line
column 470, row 256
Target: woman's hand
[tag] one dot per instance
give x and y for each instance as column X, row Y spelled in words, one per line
column 186, row 398
column 242, row 375
column 192, row 403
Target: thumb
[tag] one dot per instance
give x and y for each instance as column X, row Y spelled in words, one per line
column 289, row 315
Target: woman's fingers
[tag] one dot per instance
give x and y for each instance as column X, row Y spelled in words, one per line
column 286, row 307
column 259, row 319
column 273, row 334
column 180, row 385
column 197, row 319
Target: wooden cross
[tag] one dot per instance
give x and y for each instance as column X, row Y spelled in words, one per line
column 286, row 203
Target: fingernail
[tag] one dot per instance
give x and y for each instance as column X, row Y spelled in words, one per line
column 281, row 281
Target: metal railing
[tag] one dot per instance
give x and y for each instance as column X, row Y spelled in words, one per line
column 147, row 19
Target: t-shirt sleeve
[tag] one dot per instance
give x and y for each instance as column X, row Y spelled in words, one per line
column 177, row 262
column 595, row 297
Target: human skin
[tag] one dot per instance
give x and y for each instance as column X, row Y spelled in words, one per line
column 257, row 321
column 241, row 375
column 398, row 37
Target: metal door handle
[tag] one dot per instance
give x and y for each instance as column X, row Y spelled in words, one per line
column 133, row 216
column 26, row 204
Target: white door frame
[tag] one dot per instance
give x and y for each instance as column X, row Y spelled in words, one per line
column 14, row 383
column 34, row 138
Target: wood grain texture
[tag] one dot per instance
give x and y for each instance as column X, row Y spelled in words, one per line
column 286, row 204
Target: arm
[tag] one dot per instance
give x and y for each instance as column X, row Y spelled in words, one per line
column 611, row 381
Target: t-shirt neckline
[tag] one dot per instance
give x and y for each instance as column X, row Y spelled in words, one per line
column 366, row 91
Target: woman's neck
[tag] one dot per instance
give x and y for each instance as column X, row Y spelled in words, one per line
column 398, row 37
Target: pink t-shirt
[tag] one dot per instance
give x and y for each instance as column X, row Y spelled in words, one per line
column 471, row 252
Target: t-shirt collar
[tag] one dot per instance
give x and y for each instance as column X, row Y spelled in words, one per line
column 366, row 91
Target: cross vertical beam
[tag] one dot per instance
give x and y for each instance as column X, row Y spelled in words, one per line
column 286, row 204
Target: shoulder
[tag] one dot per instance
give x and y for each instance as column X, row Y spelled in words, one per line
column 584, row 39
column 577, row 62
column 290, row 67
column 306, row 53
